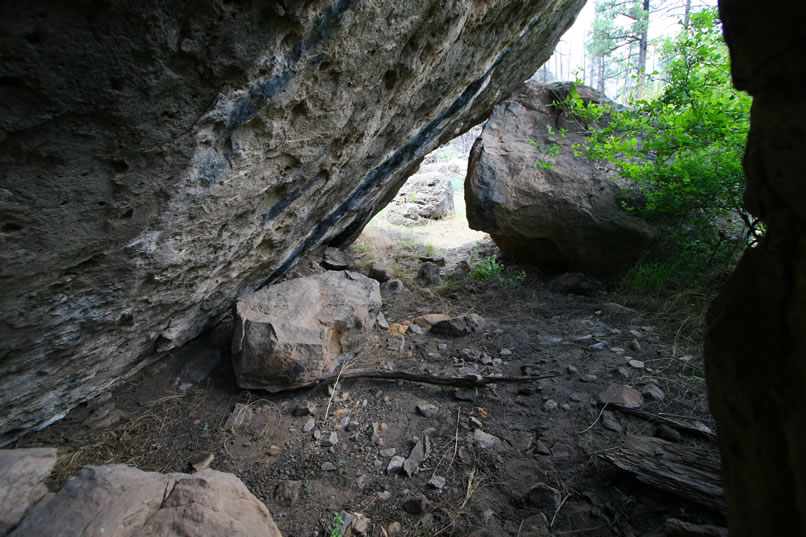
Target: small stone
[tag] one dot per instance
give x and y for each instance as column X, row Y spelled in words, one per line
column 443, row 346
column 622, row 395
column 575, row 397
column 287, row 492
column 395, row 465
column 331, row 440
column 427, row 410
column 381, row 320
column 550, row 405
column 241, row 416
column 418, row 454
column 274, row 451
column 317, row 434
column 475, row 423
column 565, row 406
column 361, row 525
column 388, row 452
column 335, row 259
column 635, row 333
column 634, row 345
column 486, row 359
column 429, row 273
column 543, row 496
column 572, row 369
column 380, row 272
column 542, row 448
column 505, row 352
column 653, row 392
column 309, row 425
column 484, row 440
column 588, row 378
column 437, row 482
column 394, row 286
column 200, row 461
column 328, row 467
column 637, row 364
column 415, row 504
column 465, row 395
column 394, row 529
column 305, row 409
column 610, row 422
column 598, row 346
column 622, row 371
column 617, row 350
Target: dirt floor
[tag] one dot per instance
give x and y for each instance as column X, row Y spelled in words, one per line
column 544, row 471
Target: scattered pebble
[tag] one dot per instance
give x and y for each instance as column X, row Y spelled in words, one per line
column 550, row 405
column 305, row 409
column 443, row 346
column 331, row 440
column 543, row 496
column 598, row 346
column 437, row 482
column 505, row 352
column 542, row 448
column 328, row 467
column 572, row 369
column 622, row 395
column 634, row 345
column 475, row 423
column 653, row 392
column 416, row 330
column 575, row 397
column 637, row 364
column 395, row 465
column 484, row 440
column 274, row 451
column 415, row 504
column 388, row 452
column 427, row 410
column 588, row 378
column 611, row 423
column 309, row 425
column 622, row 371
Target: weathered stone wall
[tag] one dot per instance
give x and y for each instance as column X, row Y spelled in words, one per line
column 159, row 159
column 756, row 341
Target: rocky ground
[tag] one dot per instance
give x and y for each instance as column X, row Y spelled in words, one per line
column 394, row 457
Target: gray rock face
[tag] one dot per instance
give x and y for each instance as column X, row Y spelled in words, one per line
column 565, row 217
column 297, row 330
column 159, row 160
column 121, row 501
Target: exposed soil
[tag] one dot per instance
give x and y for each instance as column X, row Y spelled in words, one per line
column 549, row 432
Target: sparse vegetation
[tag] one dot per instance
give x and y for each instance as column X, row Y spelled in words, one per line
column 490, row 269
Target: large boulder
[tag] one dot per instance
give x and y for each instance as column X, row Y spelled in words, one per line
column 298, row 330
column 121, row 501
column 559, row 211
column 22, row 482
column 425, row 196
column 160, row 159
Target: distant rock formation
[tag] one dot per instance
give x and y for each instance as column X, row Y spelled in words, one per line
column 558, row 211
column 160, row 159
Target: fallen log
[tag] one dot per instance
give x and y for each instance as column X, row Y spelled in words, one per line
column 674, row 424
column 689, row 472
column 468, row 381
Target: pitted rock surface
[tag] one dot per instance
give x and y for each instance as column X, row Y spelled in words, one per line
column 159, row 160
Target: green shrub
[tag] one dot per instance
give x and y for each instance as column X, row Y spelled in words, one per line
column 490, row 269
